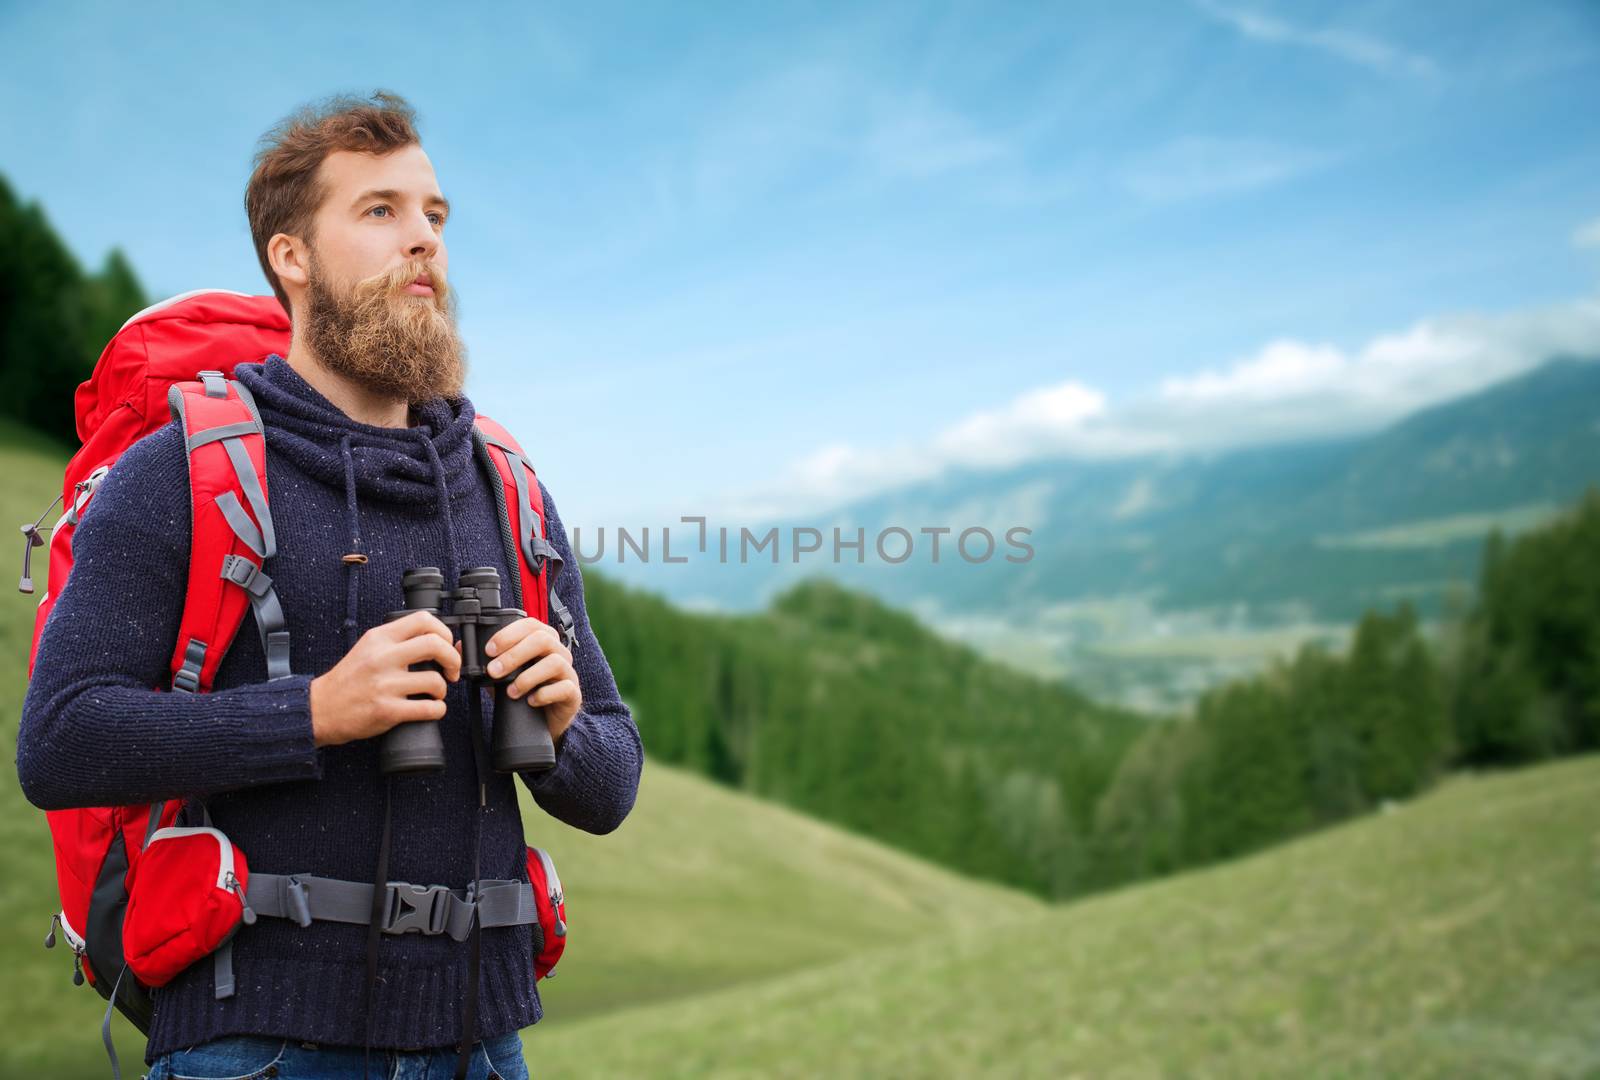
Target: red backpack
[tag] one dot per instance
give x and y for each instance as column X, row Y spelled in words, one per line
column 174, row 361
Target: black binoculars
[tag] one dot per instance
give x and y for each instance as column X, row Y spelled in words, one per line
column 521, row 739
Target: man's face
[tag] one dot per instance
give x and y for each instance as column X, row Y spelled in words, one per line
column 379, row 229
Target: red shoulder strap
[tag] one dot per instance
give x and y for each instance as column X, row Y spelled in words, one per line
column 232, row 534
column 521, row 506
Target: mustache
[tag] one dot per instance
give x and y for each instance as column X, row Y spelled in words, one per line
column 394, row 281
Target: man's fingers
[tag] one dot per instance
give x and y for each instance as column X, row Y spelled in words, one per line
column 429, row 647
column 409, row 711
column 554, row 666
column 509, row 635
column 422, row 682
column 539, row 641
column 418, row 622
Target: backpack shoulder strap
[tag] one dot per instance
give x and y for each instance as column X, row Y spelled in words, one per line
column 521, row 505
column 232, row 534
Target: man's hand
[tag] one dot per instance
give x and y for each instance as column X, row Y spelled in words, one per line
column 365, row 694
column 528, row 640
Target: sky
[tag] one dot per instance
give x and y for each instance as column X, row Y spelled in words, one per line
column 753, row 260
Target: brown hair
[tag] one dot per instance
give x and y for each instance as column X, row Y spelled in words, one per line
column 284, row 193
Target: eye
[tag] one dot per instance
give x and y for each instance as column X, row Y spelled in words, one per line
column 377, row 208
column 437, row 217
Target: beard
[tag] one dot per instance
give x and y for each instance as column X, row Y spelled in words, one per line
column 388, row 341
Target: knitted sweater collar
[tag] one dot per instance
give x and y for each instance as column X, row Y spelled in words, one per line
column 397, row 465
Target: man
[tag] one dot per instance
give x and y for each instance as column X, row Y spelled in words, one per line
column 371, row 472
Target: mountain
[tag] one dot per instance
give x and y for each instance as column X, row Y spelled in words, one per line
column 1217, row 557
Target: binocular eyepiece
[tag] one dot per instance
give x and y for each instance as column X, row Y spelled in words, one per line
column 521, row 739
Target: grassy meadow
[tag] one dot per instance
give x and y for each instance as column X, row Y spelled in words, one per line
column 1454, row 936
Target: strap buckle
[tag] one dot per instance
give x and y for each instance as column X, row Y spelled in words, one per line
column 420, row 908
column 187, row 678
column 245, row 574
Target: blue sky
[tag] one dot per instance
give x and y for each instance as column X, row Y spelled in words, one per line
column 741, row 259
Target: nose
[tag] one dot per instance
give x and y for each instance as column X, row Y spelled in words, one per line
column 421, row 240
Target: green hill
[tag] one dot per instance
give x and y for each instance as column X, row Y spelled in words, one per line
column 1454, row 936
column 703, row 888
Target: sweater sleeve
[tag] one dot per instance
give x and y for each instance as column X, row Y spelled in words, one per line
column 93, row 730
column 600, row 757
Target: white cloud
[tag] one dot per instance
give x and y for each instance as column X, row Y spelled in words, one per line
column 1031, row 425
column 1587, row 235
column 1362, row 49
column 1293, row 388
column 1288, row 389
column 1283, row 367
column 1049, row 420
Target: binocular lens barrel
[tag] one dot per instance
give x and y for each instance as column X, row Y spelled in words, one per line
column 521, row 740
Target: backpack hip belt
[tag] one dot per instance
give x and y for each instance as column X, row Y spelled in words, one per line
column 408, row 908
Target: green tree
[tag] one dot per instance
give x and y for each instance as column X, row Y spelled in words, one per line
column 54, row 320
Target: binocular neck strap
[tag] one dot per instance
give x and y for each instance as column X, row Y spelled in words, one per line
column 469, row 1007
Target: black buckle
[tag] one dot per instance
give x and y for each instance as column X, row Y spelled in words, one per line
column 419, row 908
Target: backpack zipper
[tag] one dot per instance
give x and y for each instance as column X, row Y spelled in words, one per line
column 30, row 533
column 224, row 847
column 73, row 940
column 553, row 883
column 226, row 880
column 83, row 489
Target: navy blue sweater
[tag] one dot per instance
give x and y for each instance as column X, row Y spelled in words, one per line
column 94, row 733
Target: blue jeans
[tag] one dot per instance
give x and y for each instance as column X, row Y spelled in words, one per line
column 256, row 1057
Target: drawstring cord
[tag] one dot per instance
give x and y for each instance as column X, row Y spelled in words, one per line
column 356, row 558
column 453, row 573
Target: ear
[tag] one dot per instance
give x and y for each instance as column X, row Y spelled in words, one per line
column 290, row 260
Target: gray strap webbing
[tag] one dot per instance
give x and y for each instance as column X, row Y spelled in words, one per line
column 535, row 548
column 260, row 539
column 251, row 483
column 525, row 515
column 270, row 620
column 240, row 523
column 524, row 502
column 492, row 441
column 222, row 431
column 222, row 969
column 302, row 898
column 216, row 386
column 569, row 638
column 547, row 550
column 105, row 1026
